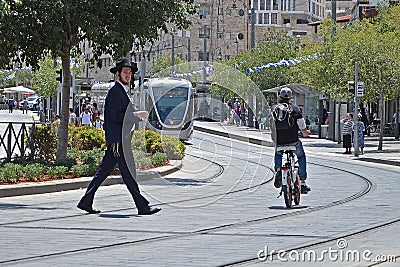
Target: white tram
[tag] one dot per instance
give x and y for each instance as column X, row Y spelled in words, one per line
column 170, row 104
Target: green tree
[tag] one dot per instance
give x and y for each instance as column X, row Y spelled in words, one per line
column 275, row 46
column 32, row 28
column 44, row 78
column 373, row 44
column 163, row 64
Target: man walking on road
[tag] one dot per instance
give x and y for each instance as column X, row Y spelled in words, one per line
column 119, row 119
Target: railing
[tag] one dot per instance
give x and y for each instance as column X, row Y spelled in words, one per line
column 14, row 137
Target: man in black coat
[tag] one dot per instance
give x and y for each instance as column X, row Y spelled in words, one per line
column 119, row 119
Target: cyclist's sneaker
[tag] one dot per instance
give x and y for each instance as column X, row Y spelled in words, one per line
column 305, row 189
column 278, row 179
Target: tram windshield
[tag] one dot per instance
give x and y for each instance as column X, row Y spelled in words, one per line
column 171, row 103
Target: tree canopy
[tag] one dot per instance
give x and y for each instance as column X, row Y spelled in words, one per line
column 30, row 29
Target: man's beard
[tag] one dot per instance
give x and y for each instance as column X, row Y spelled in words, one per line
column 122, row 80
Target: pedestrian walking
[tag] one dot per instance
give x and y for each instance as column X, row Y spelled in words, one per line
column 98, row 123
column 86, row 118
column 25, row 106
column 11, row 105
column 72, row 117
column 347, row 132
column 119, row 119
column 361, row 129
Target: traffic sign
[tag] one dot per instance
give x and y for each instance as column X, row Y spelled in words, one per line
column 360, row 88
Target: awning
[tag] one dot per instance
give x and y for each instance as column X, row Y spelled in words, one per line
column 18, row 89
column 296, row 87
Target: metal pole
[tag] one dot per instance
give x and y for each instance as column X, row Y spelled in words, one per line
column 205, row 54
column 172, row 54
column 237, row 47
column 142, row 76
column 356, row 109
column 188, row 58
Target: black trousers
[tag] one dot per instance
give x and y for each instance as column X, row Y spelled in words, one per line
column 116, row 154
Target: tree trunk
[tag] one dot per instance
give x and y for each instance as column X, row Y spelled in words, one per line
column 397, row 134
column 64, row 112
column 339, row 134
column 382, row 118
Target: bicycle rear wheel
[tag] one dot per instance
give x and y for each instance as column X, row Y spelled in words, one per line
column 287, row 192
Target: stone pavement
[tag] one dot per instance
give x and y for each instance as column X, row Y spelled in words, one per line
column 210, row 223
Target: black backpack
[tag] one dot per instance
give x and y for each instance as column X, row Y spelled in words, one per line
column 283, row 116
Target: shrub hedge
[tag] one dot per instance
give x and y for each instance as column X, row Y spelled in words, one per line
column 85, row 154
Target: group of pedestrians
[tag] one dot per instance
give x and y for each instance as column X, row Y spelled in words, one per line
column 89, row 117
column 236, row 112
column 348, row 130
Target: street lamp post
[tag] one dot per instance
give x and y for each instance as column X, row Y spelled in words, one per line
column 172, row 51
column 237, row 46
column 356, row 146
column 204, row 36
column 188, row 46
column 17, row 73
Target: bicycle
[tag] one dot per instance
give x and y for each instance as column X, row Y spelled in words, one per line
column 375, row 126
column 290, row 179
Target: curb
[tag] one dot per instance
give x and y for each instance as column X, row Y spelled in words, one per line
column 83, row 182
column 235, row 136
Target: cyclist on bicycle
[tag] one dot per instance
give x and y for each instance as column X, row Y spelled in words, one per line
column 289, row 136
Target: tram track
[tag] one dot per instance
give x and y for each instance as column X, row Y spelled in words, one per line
column 165, row 235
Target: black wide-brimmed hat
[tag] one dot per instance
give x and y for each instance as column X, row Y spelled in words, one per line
column 124, row 63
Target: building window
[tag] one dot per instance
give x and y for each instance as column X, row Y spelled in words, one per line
column 260, row 18
column 301, row 21
column 268, row 5
column 286, row 21
column 220, row 35
column 227, row 36
column 200, row 58
column 266, row 18
column 274, row 5
column 255, row 4
column 228, row 11
column 274, row 18
column 203, row 11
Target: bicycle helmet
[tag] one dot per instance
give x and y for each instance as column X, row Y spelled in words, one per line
column 285, row 93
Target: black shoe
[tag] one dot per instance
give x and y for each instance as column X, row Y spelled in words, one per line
column 278, row 179
column 87, row 209
column 148, row 211
column 305, row 189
